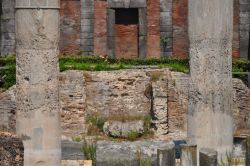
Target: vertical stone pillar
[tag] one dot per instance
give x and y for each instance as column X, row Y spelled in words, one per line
column 38, row 117
column 188, row 155
column 208, row 157
column 166, row 155
column 111, row 33
column 210, row 121
column 248, row 151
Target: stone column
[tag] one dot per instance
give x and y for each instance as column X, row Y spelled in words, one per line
column 38, row 117
column 210, row 121
column 166, row 155
column 188, row 155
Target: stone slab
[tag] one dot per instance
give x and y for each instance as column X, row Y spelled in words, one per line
column 123, row 153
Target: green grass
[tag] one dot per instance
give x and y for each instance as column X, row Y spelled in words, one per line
column 89, row 152
column 93, row 63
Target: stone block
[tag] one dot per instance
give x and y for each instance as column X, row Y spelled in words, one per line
column 72, row 151
column 122, row 129
column 111, row 22
column 142, row 47
column 166, row 155
column 138, row 4
column 142, row 21
column 126, row 153
column 188, row 155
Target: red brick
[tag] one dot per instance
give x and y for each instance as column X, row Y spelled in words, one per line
column 70, row 27
column 100, row 27
column 153, row 19
column 180, row 27
column 126, row 41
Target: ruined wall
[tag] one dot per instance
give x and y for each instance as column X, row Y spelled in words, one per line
column 123, row 93
column 8, row 28
column 70, row 27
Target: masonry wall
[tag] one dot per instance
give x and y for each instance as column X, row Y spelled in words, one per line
column 127, row 93
column 70, row 27
column 84, row 28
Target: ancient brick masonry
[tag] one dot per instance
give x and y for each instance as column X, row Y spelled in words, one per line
column 100, row 27
column 84, row 28
column 70, row 27
column 126, row 93
column 180, row 35
column 153, row 37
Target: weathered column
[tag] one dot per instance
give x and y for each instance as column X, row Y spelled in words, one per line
column 38, row 118
column 188, row 155
column 208, row 157
column 210, row 121
column 166, row 155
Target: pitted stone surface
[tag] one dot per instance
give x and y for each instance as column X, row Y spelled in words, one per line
column 210, row 117
column 37, row 100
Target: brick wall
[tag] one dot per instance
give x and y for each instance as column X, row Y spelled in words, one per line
column 153, row 38
column 84, row 27
column 127, row 93
column 180, row 27
column 126, row 41
column 100, row 27
column 70, row 27
column 236, row 34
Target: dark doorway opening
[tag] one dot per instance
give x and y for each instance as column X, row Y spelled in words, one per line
column 126, row 16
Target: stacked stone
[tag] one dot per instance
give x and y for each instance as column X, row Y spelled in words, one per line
column 166, row 28
column 87, row 27
column 160, row 106
column 11, row 150
column 8, row 27
column 244, row 28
